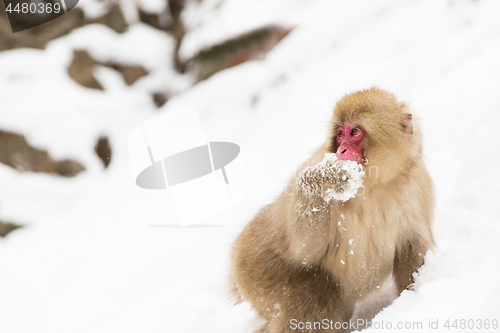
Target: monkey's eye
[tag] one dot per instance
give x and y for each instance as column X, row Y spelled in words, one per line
column 340, row 133
column 355, row 131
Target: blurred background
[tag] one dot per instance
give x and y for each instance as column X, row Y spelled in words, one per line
column 82, row 249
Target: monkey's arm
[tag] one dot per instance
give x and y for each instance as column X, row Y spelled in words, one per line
column 418, row 239
column 408, row 259
column 309, row 211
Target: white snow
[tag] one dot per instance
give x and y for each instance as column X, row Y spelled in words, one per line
column 95, row 255
column 353, row 170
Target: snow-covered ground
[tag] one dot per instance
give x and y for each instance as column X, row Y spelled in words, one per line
column 96, row 256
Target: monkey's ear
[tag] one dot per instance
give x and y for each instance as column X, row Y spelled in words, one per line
column 407, row 123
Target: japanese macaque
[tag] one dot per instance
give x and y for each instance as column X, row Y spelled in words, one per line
column 307, row 256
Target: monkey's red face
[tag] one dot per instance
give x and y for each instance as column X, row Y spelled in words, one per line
column 350, row 142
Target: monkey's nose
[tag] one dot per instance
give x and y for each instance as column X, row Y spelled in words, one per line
column 350, row 154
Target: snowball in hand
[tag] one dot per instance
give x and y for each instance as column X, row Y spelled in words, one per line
column 351, row 171
column 332, row 178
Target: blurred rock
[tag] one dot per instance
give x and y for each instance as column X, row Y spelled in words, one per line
column 15, row 152
column 67, row 168
column 18, row 154
column 232, row 52
column 169, row 20
column 177, row 30
column 113, row 19
column 161, row 21
column 103, row 150
column 82, row 66
column 160, row 98
column 7, row 227
column 81, row 70
column 130, row 73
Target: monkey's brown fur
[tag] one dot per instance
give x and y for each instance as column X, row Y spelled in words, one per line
column 295, row 262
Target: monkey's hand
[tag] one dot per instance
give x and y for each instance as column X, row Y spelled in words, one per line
column 331, row 178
